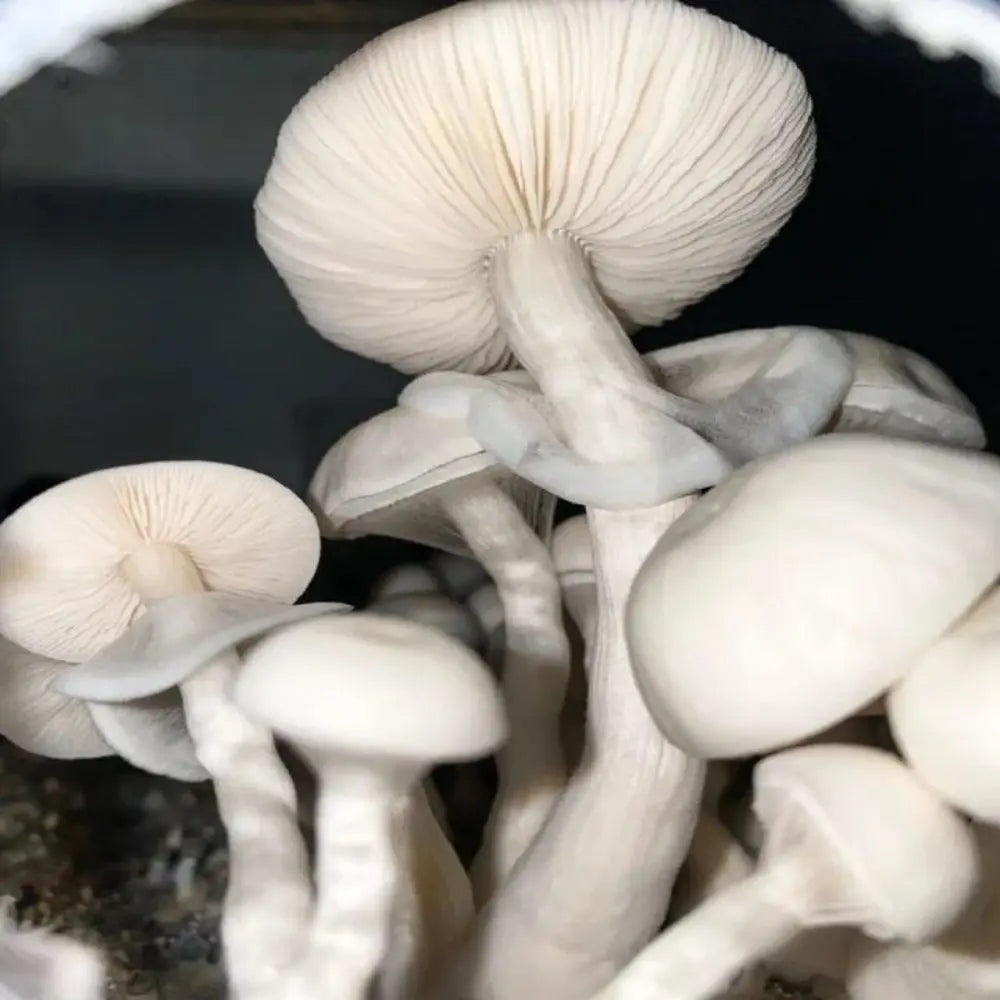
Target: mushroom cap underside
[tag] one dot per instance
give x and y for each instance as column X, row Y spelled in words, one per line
column 63, row 593
column 668, row 143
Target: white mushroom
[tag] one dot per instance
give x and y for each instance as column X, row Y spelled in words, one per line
column 943, row 713
column 372, row 703
column 459, row 576
column 38, row 718
column 577, row 164
column 833, row 566
column 852, row 837
column 417, row 477
column 410, row 578
column 962, row 964
column 84, row 560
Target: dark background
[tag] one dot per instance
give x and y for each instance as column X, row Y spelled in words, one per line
column 138, row 320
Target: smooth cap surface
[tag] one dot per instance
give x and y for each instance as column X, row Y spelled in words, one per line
column 370, row 685
column 669, row 143
column 805, row 585
column 910, row 863
column 392, row 474
column 62, row 590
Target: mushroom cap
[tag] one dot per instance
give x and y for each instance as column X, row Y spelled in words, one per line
column 913, row 862
column 37, row 717
column 669, row 143
column 486, row 606
column 409, row 578
column 895, row 391
column 389, row 476
column 368, row 685
column 436, row 611
column 62, row 591
column 943, row 713
column 806, row 585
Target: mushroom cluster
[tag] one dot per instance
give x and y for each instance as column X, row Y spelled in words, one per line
column 739, row 707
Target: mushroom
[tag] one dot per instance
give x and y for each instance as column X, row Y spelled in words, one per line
column 83, row 561
column 579, row 166
column 833, row 566
column 851, row 837
column 410, row 578
column 39, row 719
column 894, row 391
column 459, row 576
column 943, row 713
column 435, row 611
column 486, row 607
column 371, row 702
column 39, row 965
column 962, row 964
column 416, row 477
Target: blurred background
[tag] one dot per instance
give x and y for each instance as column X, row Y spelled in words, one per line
column 139, row 320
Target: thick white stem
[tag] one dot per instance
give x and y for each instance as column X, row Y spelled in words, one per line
column 361, row 811
column 700, row 955
column 531, row 766
column 268, row 896
column 594, row 886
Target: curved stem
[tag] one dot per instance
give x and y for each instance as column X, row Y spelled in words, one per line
column 268, row 895
column 535, row 671
column 594, row 886
column 361, row 819
column 702, row 953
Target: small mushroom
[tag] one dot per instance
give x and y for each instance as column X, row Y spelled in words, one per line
column 82, row 562
column 833, row 566
column 943, row 713
column 851, row 837
column 962, row 964
column 459, row 576
column 372, row 703
column 410, row 578
column 486, row 607
column 417, row 477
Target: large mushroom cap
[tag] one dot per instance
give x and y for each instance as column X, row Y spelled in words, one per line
column 914, row 863
column 62, row 591
column 944, row 713
column 806, row 584
column 388, row 476
column 671, row 144
column 373, row 685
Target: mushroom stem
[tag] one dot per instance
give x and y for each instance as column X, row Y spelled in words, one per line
column 564, row 923
column 531, row 766
column 268, row 896
column 702, row 953
column 362, row 815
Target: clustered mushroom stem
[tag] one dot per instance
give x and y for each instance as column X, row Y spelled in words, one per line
column 531, row 766
column 634, row 800
column 359, row 817
column 268, row 896
column 696, row 958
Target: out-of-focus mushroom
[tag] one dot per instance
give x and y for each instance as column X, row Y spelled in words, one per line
column 580, row 165
column 962, row 964
column 459, row 576
column 82, row 562
column 851, row 837
column 372, row 703
column 943, row 713
column 413, row 476
column 878, row 545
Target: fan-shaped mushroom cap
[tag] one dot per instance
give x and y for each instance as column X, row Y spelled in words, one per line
column 807, row 584
column 944, row 713
column 895, row 391
column 389, row 475
column 669, row 143
column 913, row 861
column 37, row 717
column 371, row 685
column 62, row 591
